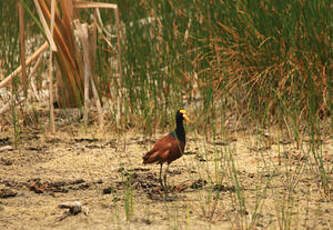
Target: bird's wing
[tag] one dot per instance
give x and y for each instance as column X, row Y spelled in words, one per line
column 166, row 149
column 159, row 151
column 164, row 143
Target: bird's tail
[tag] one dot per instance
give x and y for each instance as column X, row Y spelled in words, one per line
column 148, row 158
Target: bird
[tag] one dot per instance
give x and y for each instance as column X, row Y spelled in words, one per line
column 169, row 148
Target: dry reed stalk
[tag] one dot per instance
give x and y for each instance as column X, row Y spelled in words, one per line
column 87, row 38
column 70, row 84
column 92, row 37
column 22, row 48
column 52, row 123
column 98, row 104
column 99, row 23
column 87, row 5
column 45, row 26
column 116, row 13
column 32, row 58
column 92, row 56
column 83, row 36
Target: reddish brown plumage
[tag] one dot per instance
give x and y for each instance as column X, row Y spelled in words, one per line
column 167, row 149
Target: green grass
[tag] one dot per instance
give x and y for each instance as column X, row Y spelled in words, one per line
column 264, row 61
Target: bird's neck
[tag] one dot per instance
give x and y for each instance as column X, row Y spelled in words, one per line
column 180, row 131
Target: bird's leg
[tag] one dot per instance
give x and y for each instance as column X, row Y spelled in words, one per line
column 161, row 176
column 165, row 176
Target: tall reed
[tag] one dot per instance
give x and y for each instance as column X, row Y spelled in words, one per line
column 263, row 57
column 261, row 60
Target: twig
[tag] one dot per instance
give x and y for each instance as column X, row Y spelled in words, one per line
column 28, row 62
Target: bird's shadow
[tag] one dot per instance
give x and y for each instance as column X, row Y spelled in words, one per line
column 148, row 183
column 144, row 181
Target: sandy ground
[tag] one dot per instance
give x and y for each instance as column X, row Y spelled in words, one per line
column 279, row 185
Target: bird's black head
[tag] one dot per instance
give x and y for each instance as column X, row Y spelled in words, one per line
column 181, row 115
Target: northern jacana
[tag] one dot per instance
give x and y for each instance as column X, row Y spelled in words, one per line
column 168, row 148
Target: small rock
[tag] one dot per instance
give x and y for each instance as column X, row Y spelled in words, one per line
column 74, row 207
column 6, row 193
column 108, row 190
column 6, row 148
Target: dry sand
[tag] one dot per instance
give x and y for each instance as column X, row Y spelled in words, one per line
column 105, row 174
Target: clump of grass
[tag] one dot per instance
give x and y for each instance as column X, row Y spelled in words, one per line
column 9, row 55
column 128, row 195
column 286, row 205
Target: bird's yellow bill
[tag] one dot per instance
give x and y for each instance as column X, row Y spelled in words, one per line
column 183, row 111
column 186, row 118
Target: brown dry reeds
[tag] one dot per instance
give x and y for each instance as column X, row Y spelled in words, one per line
column 70, row 85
